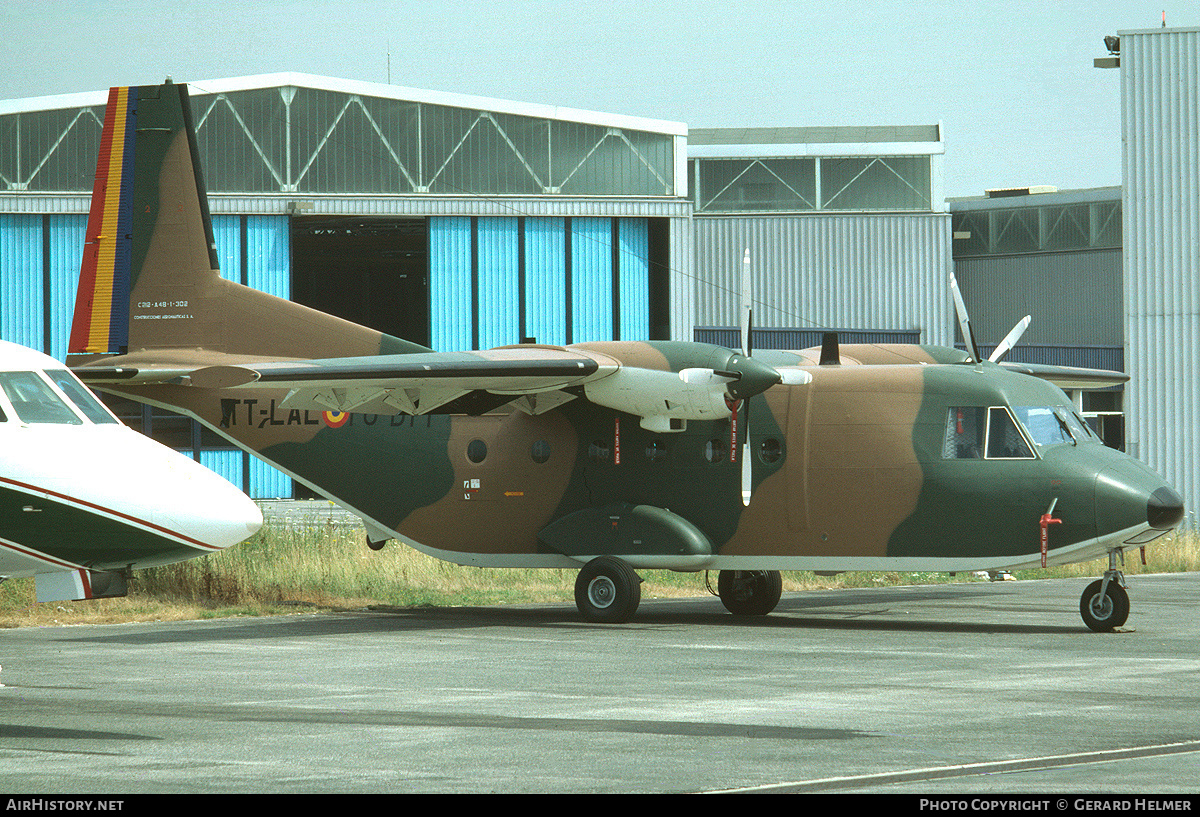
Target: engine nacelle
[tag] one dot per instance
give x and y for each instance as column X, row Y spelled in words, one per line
column 659, row 397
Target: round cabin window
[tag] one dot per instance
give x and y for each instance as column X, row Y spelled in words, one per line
column 476, row 450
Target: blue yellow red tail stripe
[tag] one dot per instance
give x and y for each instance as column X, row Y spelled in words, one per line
column 101, row 322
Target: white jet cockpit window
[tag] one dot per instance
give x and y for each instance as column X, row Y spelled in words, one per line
column 973, row 433
column 34, row 401
column 83, row 399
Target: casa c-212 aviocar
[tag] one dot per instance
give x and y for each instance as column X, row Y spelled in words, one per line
column 607, row 457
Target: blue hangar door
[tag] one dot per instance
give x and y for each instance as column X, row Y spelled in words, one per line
column 498, row 281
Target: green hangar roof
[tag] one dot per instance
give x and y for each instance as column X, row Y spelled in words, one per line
column 296, row 134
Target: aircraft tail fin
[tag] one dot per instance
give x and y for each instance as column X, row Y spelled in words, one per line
column 150, row 283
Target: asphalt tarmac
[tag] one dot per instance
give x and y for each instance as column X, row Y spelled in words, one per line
column 981, row 688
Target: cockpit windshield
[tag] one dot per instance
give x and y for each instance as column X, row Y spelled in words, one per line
column 34, row 401
column 1051, row 425
column 1044, row 425
column 83, row 399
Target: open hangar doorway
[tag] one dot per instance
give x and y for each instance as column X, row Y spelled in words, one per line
column 372, row 271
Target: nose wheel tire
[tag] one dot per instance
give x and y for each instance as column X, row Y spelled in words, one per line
column 1104, row 613
column 608, row 591
column 749, row 592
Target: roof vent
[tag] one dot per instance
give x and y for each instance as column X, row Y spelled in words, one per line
column 1005, row 192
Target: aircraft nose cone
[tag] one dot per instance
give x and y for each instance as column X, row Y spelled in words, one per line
column 1164, row 509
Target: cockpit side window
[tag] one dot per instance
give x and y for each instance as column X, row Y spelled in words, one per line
column 34, row 401
column 975, row 432
column 83, row 399
column 964, row 434
column 1079, row 428
column 1004, row 440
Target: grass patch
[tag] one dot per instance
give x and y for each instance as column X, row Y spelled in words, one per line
column 289, row 569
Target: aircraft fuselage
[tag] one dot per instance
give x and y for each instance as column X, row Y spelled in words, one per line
column 855, row 471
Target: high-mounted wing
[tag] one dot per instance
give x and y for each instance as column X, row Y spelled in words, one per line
column 1070, row 377
column 698, row 382
column 418, row 383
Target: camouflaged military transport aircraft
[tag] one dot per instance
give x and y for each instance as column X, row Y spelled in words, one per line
column 84, row 500
column 608, row 457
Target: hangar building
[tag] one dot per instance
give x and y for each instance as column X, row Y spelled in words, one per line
column 1160, row 126
column 847, row 228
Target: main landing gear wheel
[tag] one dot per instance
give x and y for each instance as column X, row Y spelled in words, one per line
column 1104, row 613
column 749, row 592
column 608, row 590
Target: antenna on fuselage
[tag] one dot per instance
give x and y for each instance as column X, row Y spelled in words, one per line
column 831, row 354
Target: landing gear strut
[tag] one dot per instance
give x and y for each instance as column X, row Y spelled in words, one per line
column 749, row 592
column 608, row 590
column 1104, row 605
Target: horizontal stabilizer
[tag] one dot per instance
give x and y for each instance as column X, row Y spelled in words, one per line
column 129, row 375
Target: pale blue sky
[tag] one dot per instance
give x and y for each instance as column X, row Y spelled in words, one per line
column 1012, row 83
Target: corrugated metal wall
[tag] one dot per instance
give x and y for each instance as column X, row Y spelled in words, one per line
column 571, row 271
column 66, row 236
column 499, row 293
column 450, row 284
column 39, row 273
column 546, row 280
column 634, row 277
column 21, row 286
column 1160, row 101
column 886, row 271
column 1074, row 298
column 795, row 339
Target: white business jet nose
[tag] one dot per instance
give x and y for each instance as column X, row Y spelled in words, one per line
column 189, row 499
column 205, row 505
column 140, row 482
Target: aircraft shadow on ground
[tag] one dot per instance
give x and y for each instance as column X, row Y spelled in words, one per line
column 866, row 610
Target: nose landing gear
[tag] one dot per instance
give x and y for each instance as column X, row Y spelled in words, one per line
column 1104, row 605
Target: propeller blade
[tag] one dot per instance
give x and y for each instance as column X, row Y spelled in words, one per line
column 747, row 466
column 794, row 377
column 964, row 321
column 1010, row 340
column 747, row 326
column 708, row 377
